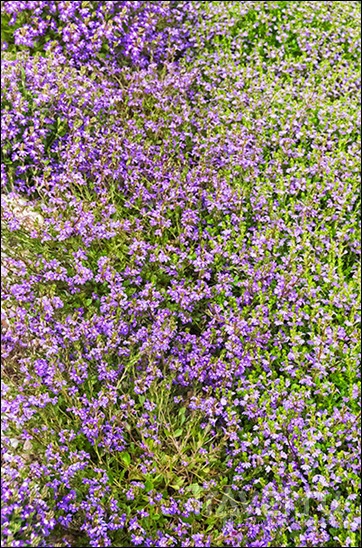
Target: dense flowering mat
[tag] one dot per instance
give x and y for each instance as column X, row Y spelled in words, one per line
column 181, row 262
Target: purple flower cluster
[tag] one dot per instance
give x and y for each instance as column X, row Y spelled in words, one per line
column 181, row 249
column 106, row 33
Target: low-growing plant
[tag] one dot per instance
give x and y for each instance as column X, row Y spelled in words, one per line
column 181, row 255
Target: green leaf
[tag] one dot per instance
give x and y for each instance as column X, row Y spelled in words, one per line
column 126, row 458
column 181, row 414
column 148, row 485
column 178, row 484
column 195, row 488
column 178, row 433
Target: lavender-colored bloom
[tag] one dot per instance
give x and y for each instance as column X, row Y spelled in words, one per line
column 181, row 247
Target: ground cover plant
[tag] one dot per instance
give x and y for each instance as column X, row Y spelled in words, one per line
column 180, row 273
